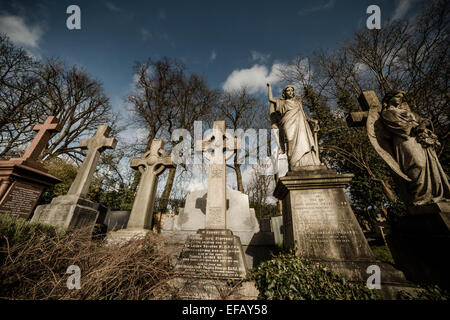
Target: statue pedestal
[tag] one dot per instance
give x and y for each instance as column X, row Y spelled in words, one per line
column 320, row 224
column 68, row 212
column 420, row 241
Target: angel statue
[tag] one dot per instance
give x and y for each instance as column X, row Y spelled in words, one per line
column 287, row 115
column 407, row 143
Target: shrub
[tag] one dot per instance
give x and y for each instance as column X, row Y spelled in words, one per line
column 425, row 292
column 383, row 253
column 17, row 230
column 288, row 277
column 35, row 267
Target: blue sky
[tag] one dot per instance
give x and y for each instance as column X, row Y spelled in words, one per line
column 230, row 43
column 213, row 38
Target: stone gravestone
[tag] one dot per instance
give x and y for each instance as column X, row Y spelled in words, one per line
column 151, row 165
column 418, row 239
column 256, row 242
column 213, row 253
column 74, row 210
column 24, row 179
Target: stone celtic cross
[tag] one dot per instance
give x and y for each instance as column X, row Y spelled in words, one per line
column 218, row 141
column 44, row 133
column 150, row 165
column 95, row 145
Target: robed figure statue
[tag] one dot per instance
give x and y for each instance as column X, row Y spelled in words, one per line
column 412, row 146
column 295, row 133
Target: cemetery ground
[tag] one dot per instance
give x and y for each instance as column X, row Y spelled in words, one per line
column 34, row 258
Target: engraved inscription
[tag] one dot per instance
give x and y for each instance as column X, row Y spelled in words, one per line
column 216, row 171
column 318, row 219
column 212, row 256
column 20, row 200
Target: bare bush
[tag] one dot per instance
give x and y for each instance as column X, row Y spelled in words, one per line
column 36, row 268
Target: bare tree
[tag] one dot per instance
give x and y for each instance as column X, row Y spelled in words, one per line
column 166, row 98
column 410, row 56
column 79, row 103
column 241, row 110
column 18, row 93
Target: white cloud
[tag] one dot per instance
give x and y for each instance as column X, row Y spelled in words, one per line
column 112, row 7
column 142, row 134
column 146, row 34
column 213, row 56
column 327, row 5
column 162, row 14
column 254, row 78
column 19, row 33
column 401, row 9
column 259, row 57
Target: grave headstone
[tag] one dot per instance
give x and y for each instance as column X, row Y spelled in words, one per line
column 257, row 242
column 24, row 179
column 214, row 252
column 74, row 210
column 151, row 165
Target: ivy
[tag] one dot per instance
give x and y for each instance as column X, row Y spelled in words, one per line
column 288, row 277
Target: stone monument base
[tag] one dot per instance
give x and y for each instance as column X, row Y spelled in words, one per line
column 208, row 289
column 419, row 242
column 68, row 212
column 212, row 254
column 319, row 223
column 21, row 186
column 125, row 235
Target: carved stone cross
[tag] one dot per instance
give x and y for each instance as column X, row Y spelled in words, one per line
column 45, row 131
column 367, row 100
column 151, row 165
column 95, row 145
column 216, row 200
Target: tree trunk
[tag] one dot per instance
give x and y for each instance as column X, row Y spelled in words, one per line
column 237, row 168
column 164, row 201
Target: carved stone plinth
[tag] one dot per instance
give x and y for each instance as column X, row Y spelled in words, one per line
column 420, row 241
column 21, row 187
column 68, row 212
column 319, row 222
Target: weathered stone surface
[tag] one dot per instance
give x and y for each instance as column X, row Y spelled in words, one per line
column 95, row 145
column 73, row 210
column 207, row 289
column 215, row 217
column 319, row 222
column 418, row 243
column 277, row 228
column 406, row 142
column 318, row 218
column 212, row 254
column 241, row 220
column 116, row 220
column 151, row 165
column 68, row 212
column 20, row 200
column 301, row 143
column 24, row 179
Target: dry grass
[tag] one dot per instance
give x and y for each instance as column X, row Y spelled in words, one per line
column 36, row 268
